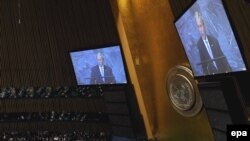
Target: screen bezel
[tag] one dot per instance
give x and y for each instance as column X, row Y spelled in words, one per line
column 128, row 81
column 240, row 47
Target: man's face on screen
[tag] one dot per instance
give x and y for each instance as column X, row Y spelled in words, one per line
column 201, row 28
column 100, row 60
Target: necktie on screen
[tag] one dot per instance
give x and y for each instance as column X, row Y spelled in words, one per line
column 210, row 53
column 102, row 73
column 209, row 49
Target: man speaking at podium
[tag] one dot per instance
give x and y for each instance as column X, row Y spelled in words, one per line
column 212, row 58
column 101, row 74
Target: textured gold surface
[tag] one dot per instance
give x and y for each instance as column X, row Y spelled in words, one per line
column 155, row 48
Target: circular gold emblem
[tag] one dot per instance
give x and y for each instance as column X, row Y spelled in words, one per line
column 183, row 92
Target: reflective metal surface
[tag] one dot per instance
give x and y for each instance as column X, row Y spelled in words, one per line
column 183, row 92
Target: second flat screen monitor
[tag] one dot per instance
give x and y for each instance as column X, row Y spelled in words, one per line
column 103, row 65
column 208, row 39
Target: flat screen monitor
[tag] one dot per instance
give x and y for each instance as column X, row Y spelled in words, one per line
column 103, row 65
column 208, row 39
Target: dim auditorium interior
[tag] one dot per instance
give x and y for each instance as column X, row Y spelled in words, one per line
column 153, row 87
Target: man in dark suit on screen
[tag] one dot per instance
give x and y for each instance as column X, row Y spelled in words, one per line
column 212, row 58
column 101, row 74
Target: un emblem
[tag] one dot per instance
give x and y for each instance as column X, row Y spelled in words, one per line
column 183, row 91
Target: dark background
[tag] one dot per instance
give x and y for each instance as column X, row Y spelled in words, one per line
column 35, row 51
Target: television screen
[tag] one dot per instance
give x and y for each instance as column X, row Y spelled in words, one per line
column 103, row 65
column 208, row 39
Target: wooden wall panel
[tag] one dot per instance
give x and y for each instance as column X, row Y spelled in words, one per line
column 37, row 36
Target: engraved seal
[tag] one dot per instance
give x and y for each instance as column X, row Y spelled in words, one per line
column 183, row 91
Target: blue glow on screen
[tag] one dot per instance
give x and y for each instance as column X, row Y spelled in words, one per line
column 217, row 24
column 84, row 60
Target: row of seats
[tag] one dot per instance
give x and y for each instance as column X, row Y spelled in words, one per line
column 54, row 136
column 54, row 116
column 50, row 92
